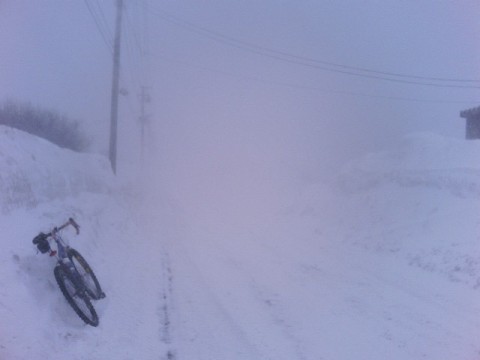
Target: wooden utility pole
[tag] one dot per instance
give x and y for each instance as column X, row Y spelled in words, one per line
column 115, row 90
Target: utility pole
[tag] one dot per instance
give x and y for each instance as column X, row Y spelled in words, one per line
column 115, row 90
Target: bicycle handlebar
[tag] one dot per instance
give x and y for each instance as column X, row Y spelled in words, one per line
column 69, row 222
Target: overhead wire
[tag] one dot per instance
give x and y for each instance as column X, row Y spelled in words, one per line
column 313, row 88
column 103, row 20
column 440, row 82
column 131, row 53
column 135, row 47
column 135, row 55
column 130, row 65
column 145, row 41
column 102, row 29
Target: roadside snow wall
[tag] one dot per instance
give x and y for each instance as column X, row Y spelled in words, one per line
column 43, row 172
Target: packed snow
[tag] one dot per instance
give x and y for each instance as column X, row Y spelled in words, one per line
column 381, row 262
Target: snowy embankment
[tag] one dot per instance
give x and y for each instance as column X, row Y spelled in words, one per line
column 421, row 201
column 381, row 264
column 41, row 186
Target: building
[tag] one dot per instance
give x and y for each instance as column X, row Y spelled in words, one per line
column 472, row 128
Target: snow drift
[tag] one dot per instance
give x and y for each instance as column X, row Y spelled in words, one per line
column 41, row 186
column 43, row 172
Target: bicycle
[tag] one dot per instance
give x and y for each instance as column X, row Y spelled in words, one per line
column 74, row 276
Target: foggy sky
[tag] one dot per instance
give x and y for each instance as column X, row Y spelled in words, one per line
column 214, row 104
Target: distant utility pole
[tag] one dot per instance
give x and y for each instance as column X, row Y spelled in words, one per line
column 115, row 90
column 144, row 98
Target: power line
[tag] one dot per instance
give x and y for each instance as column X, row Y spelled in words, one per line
column 106, row 38
column 134, row 33
column 145, row 37
column 115, row 88
column 318, row 64
column 134, row 53
column 145, row 27
column 314, row 88
column 103, row 19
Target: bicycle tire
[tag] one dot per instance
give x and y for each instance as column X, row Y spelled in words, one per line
column 80, row 303
column 92, row 285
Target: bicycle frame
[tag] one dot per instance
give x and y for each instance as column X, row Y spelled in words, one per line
column 61, row 252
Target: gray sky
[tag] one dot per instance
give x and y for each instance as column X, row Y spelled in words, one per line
column 247, row 81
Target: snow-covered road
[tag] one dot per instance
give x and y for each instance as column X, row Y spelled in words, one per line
column 270, row 297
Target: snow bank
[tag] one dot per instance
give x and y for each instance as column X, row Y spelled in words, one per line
column 421, row 160
column 419, row 201
column 40, row 171
column 42, row 185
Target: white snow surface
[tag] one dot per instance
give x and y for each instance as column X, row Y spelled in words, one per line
column 382, row 263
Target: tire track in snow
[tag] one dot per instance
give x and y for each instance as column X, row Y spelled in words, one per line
column 165, row 307
column 204, row 324
column 268, row 300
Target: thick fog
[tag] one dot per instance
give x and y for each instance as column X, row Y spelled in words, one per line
column 249, row 99
column 228, row 230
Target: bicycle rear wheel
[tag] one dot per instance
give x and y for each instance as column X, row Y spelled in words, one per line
column 92, row 285
column 79, row 302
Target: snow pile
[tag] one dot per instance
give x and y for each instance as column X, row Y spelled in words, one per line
column 420, row 201
column 43, row 172
column 422, row 160
column 41, row 186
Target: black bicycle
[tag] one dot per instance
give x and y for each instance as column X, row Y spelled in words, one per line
column 74, row 276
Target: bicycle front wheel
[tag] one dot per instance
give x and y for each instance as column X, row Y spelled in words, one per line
column 78, row 301
column 92, row 285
